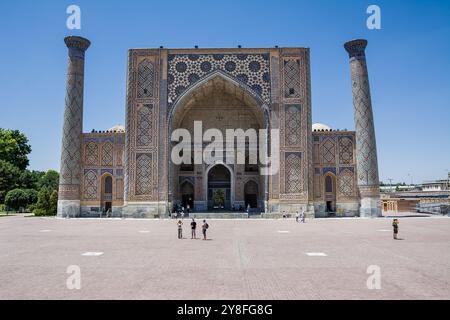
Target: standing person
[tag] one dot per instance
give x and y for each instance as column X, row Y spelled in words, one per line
column 205, row 227
column 180, row 229
column 188, row 209
column 182, row 213
column 193, row 228
column 302, row 216
column 297, row 216
column 248, row 208
column 395, row 224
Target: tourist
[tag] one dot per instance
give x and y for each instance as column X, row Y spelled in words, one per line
column 188, row 209
column 205, row 227
column 248, row 208
column 297, row 216
column 395, row 224
column 180, row 229
column 193, row 228
column 302, row 216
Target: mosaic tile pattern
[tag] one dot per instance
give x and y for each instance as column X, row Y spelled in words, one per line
column 294, row 173
column 252, row 70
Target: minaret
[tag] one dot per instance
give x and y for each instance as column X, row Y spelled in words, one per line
column 366, row 149
column 70, row 172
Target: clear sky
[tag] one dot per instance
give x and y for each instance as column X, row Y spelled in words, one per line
column 408, row 60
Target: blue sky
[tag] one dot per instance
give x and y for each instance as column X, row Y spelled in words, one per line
column 408, row 62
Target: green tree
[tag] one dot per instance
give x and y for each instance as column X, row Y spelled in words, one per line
column 43, row 203
column 30, row 179
column 49, row 180
column 19, row 199
column 9, row 178
column 14, row 148
column 47, row 203
column 53, row 203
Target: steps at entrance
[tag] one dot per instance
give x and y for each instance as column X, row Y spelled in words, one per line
column 219, row 215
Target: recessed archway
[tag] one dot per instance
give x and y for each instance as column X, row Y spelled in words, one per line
column 219, row 187
column 330, row 192
column 106, row 192
column 220, row 102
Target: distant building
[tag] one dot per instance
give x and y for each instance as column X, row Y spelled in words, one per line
column 438, row 185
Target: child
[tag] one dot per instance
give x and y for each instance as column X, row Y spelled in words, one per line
column 395, row 224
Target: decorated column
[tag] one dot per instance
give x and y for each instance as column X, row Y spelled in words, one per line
column 366, row 150
column 70, row 172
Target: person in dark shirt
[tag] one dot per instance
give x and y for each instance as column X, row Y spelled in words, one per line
column 205, row 227
column 193, row 228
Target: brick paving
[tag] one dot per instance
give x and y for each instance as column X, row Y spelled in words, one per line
column 244, row 259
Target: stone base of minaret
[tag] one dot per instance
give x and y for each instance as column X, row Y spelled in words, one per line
column 370, row 203
column 370, row 208
column 68, row 208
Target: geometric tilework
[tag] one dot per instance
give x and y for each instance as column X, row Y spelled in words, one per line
column 145, row 82
column 107, row 154
column 346, row 187
column 143, row 174
column 328, row 151
column 70, row 177
column 292, row 82
column 293, row 125
column 293, row 173
column 252, row 70
column 345, row 151
column 90, row 185
column 144, row 125
column 91, row 154
column 366, row 153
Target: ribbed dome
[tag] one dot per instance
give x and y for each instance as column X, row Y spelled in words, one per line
column 320, row 127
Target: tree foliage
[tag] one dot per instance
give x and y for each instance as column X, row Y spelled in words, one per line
column 47, row 203
column 14, row 148
column 18, row 199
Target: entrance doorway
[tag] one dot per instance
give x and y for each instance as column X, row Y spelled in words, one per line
column 251, row 194
column 330, row 193
column 219, row 188
column 107, row 190
column 187, row 195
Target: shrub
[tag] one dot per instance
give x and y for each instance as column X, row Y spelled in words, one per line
column 20, row 199
column 47, row 203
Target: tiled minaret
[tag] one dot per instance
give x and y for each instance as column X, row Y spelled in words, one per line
column 366, row 150
column 70, row 172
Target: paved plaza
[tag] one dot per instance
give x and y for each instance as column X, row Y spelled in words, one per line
column 244, row 259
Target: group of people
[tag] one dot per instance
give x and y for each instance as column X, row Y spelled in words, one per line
column 205, row 227
column 180, row 211
column 300, row 216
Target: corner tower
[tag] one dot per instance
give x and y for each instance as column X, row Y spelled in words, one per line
column 366, row 150
column 70, row 172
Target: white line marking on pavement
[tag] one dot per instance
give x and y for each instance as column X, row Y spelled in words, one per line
column 384, row 230
column 284, row 231
column 46, row 230
column 92, row 254
column 144, row 231
column 316, row 254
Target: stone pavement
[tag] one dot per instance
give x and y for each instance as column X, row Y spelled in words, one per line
column 244, row 259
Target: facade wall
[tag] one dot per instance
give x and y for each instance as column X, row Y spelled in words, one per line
column 334, row 157
column 102, row 156
column 159, row 80
column 225, row 88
